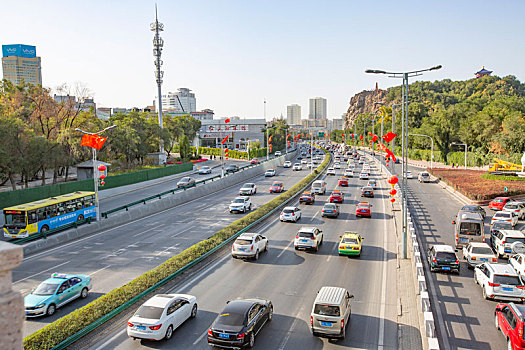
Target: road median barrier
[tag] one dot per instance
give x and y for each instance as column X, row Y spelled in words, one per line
column 68, row 329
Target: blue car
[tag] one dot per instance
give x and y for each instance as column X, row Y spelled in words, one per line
column 54, row 292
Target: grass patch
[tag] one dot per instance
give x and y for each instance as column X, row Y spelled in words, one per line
column 488, row 176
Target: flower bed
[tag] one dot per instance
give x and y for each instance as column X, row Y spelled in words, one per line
column 472, row 184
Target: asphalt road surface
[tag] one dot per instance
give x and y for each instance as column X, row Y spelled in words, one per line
column 291, row 279
column 118, row 255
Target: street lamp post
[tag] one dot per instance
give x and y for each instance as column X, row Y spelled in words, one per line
column 404, row 76
column 431, row 148
column 462, row 144
column 95, row 178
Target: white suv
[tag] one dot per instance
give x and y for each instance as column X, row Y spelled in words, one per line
column 518, row 263
column 349, row 172
column 240, row 204
column 248, row 189
column 503, row 239
column 297, row 166
column 499, row 281
column 249, row 245
column 290, row 214
column 287, row 164
column 308, row 238
column 505, row 216
column 517, row 208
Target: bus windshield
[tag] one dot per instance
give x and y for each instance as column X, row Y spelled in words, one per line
column 15, row 218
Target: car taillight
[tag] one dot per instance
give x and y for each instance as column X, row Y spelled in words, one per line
column 130, row 324
column 210, row 333
column 156, row 327
column 251, row 248
column 493, row 284
column 241, row 336
column 282, row 213
column 496, row 260
column 296, row 237
column 312, row 237
column 342, row 323
column 434, row 260
column 293, row 214
column 520, row 331
column 472, row 258
column 502, row 242
column 311, row 320
column 520, row 287
column 457, row 261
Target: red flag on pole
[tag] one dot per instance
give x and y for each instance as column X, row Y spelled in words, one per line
column 270, row 139
column 225, row 139
column 389, row 137
column 93, row 141
column 361, row 136
column 227, row 120
column 288, row 136
column 374, row 138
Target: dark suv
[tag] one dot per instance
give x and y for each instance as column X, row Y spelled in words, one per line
column 443, row 257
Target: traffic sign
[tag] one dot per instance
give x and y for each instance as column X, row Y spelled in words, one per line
column 321, row 134
column 506, row 189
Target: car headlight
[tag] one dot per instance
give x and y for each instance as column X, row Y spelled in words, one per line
column 40, row 306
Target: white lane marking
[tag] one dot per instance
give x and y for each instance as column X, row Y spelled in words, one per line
column 146, row 231
column 165, row 250
column 290, row 331
column 183, row 231
column 285, row 249
column 106, row 343
column 38, row 273
column 381, row 338
column 313, row 217
column 336, row 247
column 200, row 337
column 102, row 269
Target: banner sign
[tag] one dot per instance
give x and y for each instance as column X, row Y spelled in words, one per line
column 225, row 128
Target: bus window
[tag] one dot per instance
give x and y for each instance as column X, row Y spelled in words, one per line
column 49, row 212
column 79, row 203
column 15, row 217
column 61, row 208
column 32, row 217
column 88, row 201
column 41, row 213
column 70, row 206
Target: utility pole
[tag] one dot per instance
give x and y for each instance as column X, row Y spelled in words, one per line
column 267, row 134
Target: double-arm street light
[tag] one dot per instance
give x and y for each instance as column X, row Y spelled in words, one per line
column 404, row 76
column 95, row 178
column 462, row 144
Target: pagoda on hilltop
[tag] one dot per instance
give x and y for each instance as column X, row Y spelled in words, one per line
column 483, row 72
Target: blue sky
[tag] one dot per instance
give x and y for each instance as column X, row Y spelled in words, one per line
column 235, row 53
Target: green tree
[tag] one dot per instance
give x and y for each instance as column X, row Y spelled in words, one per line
column 184, row 147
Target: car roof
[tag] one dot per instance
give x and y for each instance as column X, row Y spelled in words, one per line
column 513, row 202
column 502, row 269
column 277, row 183
column 290, row 208
column 512, row 233
column 443, row 248
column 248, row 235
column 307, row 229
column 479, row 244
column 159, row 300
column 241, row 197
column 502, row 198
column 348, row 234
column 61, row 277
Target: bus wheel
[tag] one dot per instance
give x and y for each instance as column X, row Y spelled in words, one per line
column 44, row 228
column 80, row 218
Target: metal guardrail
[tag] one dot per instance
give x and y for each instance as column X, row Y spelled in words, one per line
column 44, row 234
column 64, row 344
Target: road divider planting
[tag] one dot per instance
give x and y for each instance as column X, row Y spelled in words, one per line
column 66, row 330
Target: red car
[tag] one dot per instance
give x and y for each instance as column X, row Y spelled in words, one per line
column 254, row 161
column 343, row 182
column 336, row 197
column 363, row 209
column 307, row 197
column 509, row 318
column 277, row 187
column 498, row 203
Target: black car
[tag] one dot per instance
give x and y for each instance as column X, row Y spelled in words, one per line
column 474, row 209
column 231, row 168
column 239, row 322
column 299, row 158
column 443, row 257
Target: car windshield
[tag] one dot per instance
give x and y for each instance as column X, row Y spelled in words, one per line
column 242, row 241
column 502, row 215
column 362, row 206
column 185, row 179
column 510, row 240
column 247, row 186
column 305, row 234
column 445, row 256
column 326, row 310
column 349, row 240
column 205, row 167
column 151, row 312
column 329, row 206
column 502, row 225
column 498, row 200
column 482, row 250
column 45, row 289
column 238, row 200
column 509, row 280
column 230, row 319
column 511, row 206
column 470, row 228
column 288, row 211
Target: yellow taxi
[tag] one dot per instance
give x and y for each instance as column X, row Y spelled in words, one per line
column 350, row 244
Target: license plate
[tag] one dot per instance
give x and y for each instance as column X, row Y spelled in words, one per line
column 507, row 250
column 242, row 249
column 304, row 241
column 363, row 211
column 446, row 268
column 27, row 312
column 224, row 335
column 142, row 328
column 463, row 239
column 484, row 259
column 326, row 324
column 507, row 289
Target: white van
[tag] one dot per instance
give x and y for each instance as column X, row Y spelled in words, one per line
column 331, row 312
column 319, row 187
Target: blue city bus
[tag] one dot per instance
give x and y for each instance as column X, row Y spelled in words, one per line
column 23, row 220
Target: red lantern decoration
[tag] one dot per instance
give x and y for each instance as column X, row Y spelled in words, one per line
column 387, row 161
column 102, row 167
column 102, row 183
column 102, row 176
column 393, row 192
column 393, row 180
column 392, row 200
column 226, row 153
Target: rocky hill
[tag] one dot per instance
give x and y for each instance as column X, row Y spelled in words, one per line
column 363, row 102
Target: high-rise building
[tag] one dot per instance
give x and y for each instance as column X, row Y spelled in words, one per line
column 317, row 108
column 181, row 101
column 19, row 62
column 293, row 114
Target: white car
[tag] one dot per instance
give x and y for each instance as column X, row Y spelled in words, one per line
column 248, row 189
column 290, row 214
column 330, row 171
column 517, row 208
column 518, row 263
column 249, row 245
column 337, row 165
column 287, row 164
column 269, row 173
column 304, row 161
column 203, row 170
column 477, row 253
column 499, row 281
column 310, row 165
column 372, row 183
column 297, row 167
column 349, row 172
column 364, row 176
column 278, row 153
column 158, row 317
column 308, row 238
column 240, row 204
column 409, row 175
column 505, row 216
column 502, row 241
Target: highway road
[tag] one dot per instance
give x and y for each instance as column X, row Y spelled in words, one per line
column 468, row 319
column 116, row 256
column 291, row 279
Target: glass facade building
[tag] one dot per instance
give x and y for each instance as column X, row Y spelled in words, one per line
column 19, row 62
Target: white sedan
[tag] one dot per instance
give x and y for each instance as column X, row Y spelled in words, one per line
column 304, row 161
column 249, row 245
column 287, row 164
column 410, row 175
column 330, row 171
column 158, row 317
column 477, row 253
column 297, row 167
column 515, row 207
column 505, row 216
column 269, row 172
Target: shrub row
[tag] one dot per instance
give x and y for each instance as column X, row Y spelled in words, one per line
column 234, row 154
column 65, row 327
column 502, row 177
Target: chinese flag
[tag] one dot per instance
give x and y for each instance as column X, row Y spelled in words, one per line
column 227, row 120
column 389, row 137
column 374, row 138
column 361, row 137
column 225, row 139
column 342, row 135
column 93, row 141
column 297, row 136
column 288, row 136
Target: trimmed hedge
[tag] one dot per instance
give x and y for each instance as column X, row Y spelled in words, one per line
column 65, row 327
column 502, row 177
column 234, row 154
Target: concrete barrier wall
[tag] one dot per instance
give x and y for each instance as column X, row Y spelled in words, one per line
column 152, row 207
